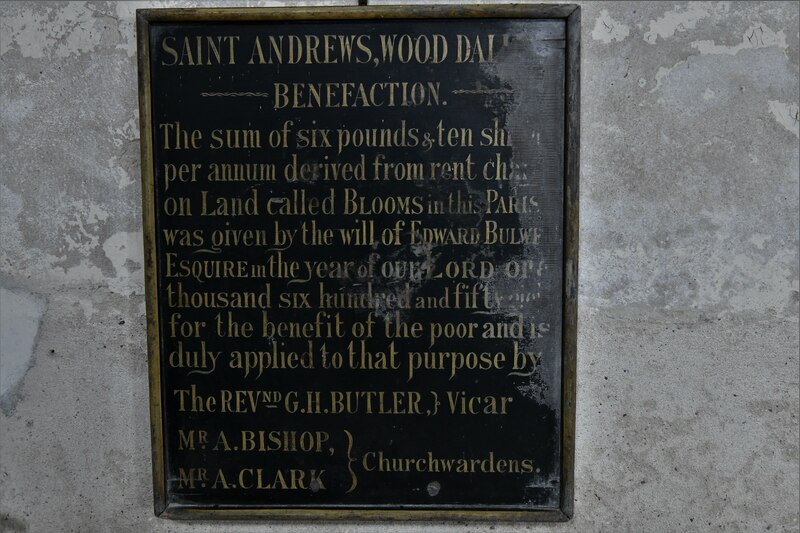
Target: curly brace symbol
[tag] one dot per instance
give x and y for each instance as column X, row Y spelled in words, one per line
column 350, row 461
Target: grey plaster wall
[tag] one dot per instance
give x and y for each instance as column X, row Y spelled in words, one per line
column 687, row 414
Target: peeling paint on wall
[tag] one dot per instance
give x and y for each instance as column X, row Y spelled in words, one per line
column 20, row 317
column 125, row 251
column 67, row 29
column 608, row 30
column 755, row 37
column 787, row 115
column 681, row 19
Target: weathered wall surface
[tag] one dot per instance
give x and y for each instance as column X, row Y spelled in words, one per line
column 688, row 344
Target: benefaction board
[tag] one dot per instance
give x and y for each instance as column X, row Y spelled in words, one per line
column 361, row 256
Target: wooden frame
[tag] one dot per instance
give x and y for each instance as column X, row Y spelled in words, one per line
column 568, row 12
